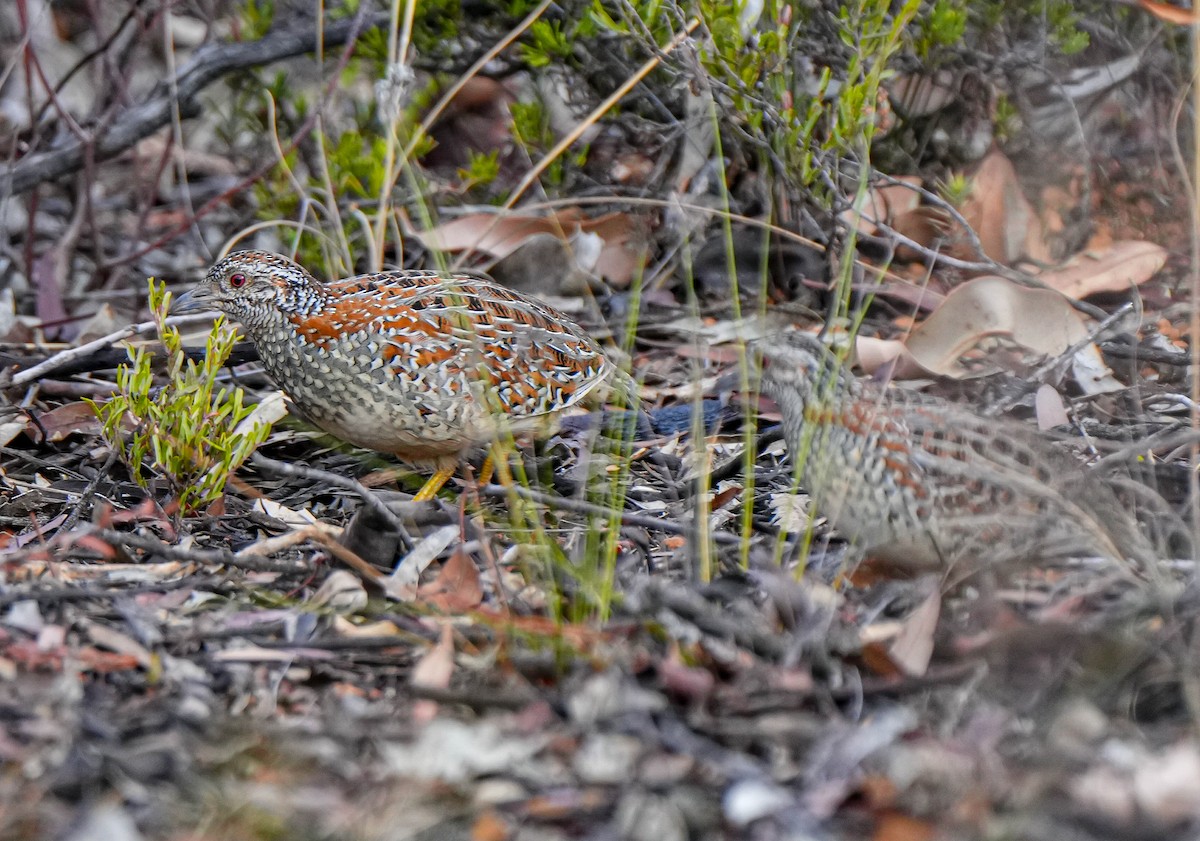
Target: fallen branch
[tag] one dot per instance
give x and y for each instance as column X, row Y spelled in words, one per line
column 209, row 64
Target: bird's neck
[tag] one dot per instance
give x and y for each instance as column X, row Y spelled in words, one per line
column 304, row 298
column 295, row 302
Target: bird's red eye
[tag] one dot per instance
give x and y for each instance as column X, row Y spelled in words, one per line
column 237, row 281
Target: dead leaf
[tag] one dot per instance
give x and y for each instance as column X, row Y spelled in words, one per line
column 497, row 235
column 368, row 630
column 456, row 588
column 921, row 94
column 1038, row 319
column 1091, row 373
column 402, row 583
column 1122, row 266
column 76, row 418
column 490, row 826
column 257, row 654
column 1169, row 13
column 885, row 203
column 997, row 210
column 632, row 169
column 494, row 234
column 546, row 264
column 913, row 646
column 271, row 409
column 1167, row 785
column 476, row 121
column 691, row 683
column 103, row 662
column 698, row 138
column 117, row 642
column 920, row 296
column 146, row 511
column 8, row 314
column 458, row 751
column 288, row 516
column 341, row 593
column 926, row 226
column 1049, row 407
column 896, row 826
column 433, row 671
column 873, row 353
column 91, row 543
column 48, row 275
column 103, row 322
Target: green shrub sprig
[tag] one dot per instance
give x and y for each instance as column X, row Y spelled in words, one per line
column 187, row 428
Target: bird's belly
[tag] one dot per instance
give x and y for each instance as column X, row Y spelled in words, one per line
column 378, row 411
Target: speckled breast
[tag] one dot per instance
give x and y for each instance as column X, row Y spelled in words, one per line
column 346, row 390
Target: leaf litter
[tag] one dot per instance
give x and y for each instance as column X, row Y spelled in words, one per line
column 189, row 678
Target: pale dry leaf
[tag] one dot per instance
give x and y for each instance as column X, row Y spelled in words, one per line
column 103, row 322
column 457, row 751
column 912, row 649
column 341, row 592
column 698, row 136
column 1038, row 319
column 8, row 314
column 1048, row 405
column 436, row 666
column 1105, row 792
column 63, row 421
column 433, row 671
column 1169, row 13
column 1091, row 373
column 1117, row 269
column 258, row 654
column 25, row 94
column 270, row 545
column 457, row 587
column 494, row 234
column 352, row 630
column 880, row 631
column 25, row 616
column 790, row 512
column 1167, row 786
column 872, row 353
column 920, row 297
column 271, row 409
column 926, row 226
column 622, row 253
column 113, row 640
column 747, row 329
column 751, row 800
column 105, row 819
column 884, row 203
column 922, row 94
column 404, row 578
column 997, row 210
column 291, row 516
column 188, row 32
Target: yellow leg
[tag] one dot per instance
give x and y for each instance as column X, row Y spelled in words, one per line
column 434, row 484
column 487, row 469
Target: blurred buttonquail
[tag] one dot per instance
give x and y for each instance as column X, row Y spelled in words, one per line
column 421, row 364
column 924, row 483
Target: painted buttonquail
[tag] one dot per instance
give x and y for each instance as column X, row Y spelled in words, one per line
column 424, row 365
column 927, row 484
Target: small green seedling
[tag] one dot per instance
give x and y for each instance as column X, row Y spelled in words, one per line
column 187, row 427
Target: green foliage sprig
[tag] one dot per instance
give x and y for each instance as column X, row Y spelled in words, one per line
column 188, row 427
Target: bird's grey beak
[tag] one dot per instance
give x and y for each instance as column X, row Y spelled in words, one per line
column 196, row 299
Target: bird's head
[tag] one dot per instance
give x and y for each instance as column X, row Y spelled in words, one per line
column 801, row 366
column 251, row 285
